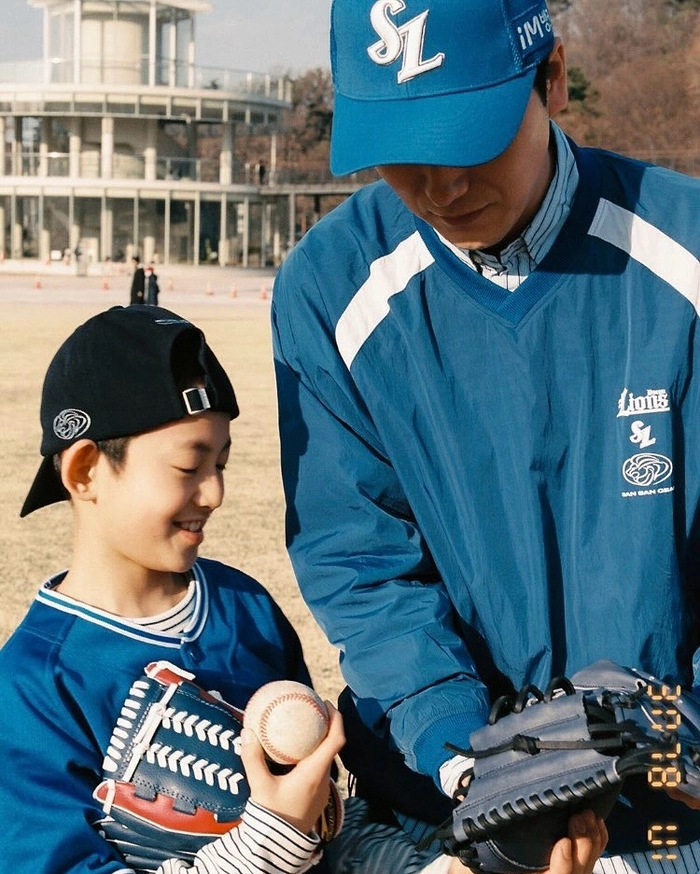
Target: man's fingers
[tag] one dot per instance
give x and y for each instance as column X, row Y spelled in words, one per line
column 680, row 795
column 578, row 853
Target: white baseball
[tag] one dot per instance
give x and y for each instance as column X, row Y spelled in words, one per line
column 288, row 718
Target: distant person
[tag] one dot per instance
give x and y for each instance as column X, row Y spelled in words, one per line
column 152, row 287
column 138, row 282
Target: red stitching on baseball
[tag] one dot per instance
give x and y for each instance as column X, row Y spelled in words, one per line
column 272, row 750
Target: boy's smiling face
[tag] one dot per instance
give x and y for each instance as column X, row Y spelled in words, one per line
column 150, row 514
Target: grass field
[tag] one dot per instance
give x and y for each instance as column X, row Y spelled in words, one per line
column 247, row 532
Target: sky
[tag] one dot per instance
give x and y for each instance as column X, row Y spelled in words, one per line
column 261, row 36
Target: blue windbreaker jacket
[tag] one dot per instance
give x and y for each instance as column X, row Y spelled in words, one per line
column 487, row 489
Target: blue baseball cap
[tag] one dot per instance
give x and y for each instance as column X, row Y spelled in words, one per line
column 443, row 82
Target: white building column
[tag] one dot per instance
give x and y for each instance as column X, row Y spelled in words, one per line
column 292, row 220
column 44, row 138
column 272, row 175
column 150, row 154
column 192, row 148
column 3, row 167
column 197, row 228
column 152, row 25
column 74, row 229
column 75, row 145
column 77, row 41
column 148, row 231
column 16, row 248
column 107, row 149
column 172, row 52
column 44, row 234
column 48, row 54
column 244, row 213
column 265, row 230
column 223, row 238
column 166, row 230
column 16, row 149
column 226, row 155
column 106, row 231
column 191, row 55
column 137, row 230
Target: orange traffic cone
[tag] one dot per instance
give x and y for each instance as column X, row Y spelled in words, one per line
column 234, row 291
column 208, row 290
column 263, row 293
column 37, row 281
column 105, row 284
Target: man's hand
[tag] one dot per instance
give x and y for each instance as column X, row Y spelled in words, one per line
column 689, row 800
column 576, row 854
column 299, row 796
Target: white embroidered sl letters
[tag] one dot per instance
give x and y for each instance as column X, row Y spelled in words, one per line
column 408, row 39
column 641, row 434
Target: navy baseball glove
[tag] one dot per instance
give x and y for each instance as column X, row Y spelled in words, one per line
column 546, row 755
column 173, row 776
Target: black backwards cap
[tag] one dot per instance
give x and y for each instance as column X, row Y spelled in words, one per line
column 116, row 376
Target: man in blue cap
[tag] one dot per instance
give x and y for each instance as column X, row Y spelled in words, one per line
column 488, row 403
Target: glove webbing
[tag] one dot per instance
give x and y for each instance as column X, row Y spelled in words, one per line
column 527, row 744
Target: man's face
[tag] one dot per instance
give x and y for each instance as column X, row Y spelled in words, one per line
column 487, row 205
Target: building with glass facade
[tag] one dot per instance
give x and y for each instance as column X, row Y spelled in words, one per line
column 117, row 142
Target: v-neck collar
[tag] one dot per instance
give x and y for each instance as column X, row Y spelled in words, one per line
column 513, row 306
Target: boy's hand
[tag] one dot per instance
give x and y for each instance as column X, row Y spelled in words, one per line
column 299, row 796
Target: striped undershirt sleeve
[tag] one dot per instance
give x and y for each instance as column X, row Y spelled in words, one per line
column 262, row 844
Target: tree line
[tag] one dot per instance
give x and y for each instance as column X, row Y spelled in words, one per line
column 634, row 87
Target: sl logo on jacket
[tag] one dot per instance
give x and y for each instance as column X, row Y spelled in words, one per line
column 644, row 470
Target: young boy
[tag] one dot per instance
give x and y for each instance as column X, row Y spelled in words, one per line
column 135, row 416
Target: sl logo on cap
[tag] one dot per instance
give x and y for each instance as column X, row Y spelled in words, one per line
column 406, row 40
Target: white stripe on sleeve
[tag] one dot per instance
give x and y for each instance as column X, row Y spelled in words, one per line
column 388, row 276
column 650, row 247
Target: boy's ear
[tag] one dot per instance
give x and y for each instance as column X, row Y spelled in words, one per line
column 78, row 464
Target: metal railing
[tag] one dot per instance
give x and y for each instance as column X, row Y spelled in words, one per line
column 166, row 72
column 189, row 169
column 208, row 170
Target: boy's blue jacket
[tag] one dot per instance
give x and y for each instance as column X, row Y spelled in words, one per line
column 487, row 489
column 64, row 675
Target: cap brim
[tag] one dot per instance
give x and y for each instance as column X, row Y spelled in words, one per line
column 47, row 488
column 451, row 130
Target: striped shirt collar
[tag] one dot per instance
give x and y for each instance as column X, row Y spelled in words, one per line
column 520, row 257
column 177, row 619
column 194, row 609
